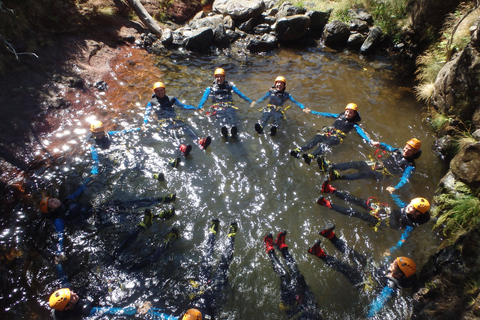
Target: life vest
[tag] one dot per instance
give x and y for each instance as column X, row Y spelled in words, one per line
column 396, row 163
column 277, row 98
column 221, row 93
column 346, row 125
column 163, row 107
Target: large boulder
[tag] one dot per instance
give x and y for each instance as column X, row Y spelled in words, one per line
column 292, row 28
column 318, row 21
column 336, row 34
column 264, row 43
column 287, row 10
column 466, row 165
column 374, row 37
column 207, row 22
column 239, row 10
column 199, row 39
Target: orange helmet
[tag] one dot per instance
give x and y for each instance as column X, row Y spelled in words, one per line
column 420, row 204
column 219, row 71
column 96, row 126
column 407, row 266
column 281, row 79
column 44, row 205
column 414, row 143
column 351, row 106
column 192, row 314
column 158, row 85
column 59, row 299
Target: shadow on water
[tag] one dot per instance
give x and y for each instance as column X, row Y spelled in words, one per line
column 253, row 181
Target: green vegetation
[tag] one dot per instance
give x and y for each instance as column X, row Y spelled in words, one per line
column 458, row 213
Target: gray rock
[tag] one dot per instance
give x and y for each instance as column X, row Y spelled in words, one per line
column 269, row 4
column 262, row 28
column 466, row 165
column 292, row 28
column 361, row 14
column 358, row 25
column 239, row 10
column 264, row 43
column 199, row 40
column 287, row 10
column 336, row 34
column 208, row 22
column 228, row 23
column 167, row 37
column 318, row 21
column 356, row 40
column 220, row 38
column 374, row 37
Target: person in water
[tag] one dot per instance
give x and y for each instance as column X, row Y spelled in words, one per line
column 297, row 299
column 212, row 288
column 73, row 212
column 170, row 122
column 389, row 278
column 332, row 135
column 401, row 162
column 408, row 215
column 223, row 106
column 275, row 110
column 101, row 141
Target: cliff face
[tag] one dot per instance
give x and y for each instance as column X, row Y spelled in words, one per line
column 450, row 281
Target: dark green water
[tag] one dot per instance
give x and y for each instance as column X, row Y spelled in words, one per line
column 253, row 181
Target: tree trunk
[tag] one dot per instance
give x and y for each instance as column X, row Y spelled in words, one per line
column 146, row 17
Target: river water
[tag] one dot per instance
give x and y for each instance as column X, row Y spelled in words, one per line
column 252, row 180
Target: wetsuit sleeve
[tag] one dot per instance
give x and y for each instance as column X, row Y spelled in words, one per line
column 387, row 147
column 362, row 133
column 96, row 161
column 62, row 276
column 96, row 311
column 154, row 312
column 80, row 189
column 182, row 105
column 147, row 113
column 379, row 302
column 295, row 101
column 402, row 240
column 59, row 230
column 116, row 133
column 241, row 95
column 325, row 114
column 405, row 177
column 399, row 202
column 204, row 99
column 264, row 97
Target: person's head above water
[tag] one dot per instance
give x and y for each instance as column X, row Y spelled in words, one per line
column 63, row 299
column 412, row 147
column 97, row 129
column 48, row 204
column 192, row 314
column 402, row 267
column 159, row 89
column 417, row 207
column 351, row 110
column 280, row 83
column 219, row 75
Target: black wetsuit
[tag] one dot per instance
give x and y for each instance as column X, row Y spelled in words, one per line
column 82, row 309
column 214, row 286
column 334, row 134
column 297, row 299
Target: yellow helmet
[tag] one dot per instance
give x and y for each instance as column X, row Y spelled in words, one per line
column 96, row 126
column 420, row 204
column 192, row 314
column 59, row 299
column 219, row 71
column 351, row 106
column 414, row 143
column 281, row 79
column 44, row 205
column 158, row 85
column 407, row 266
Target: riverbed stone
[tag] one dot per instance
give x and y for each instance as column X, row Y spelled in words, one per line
column 355, row 40
column 264, row 43
column 336, row 34
column 373, row 39
column 466, row 165
column 199, row 40
column 239, row 10
column 207, row 22
column 292, row 27
column 358, row 25
column 361, row 14
column 287, row 10
column 318, row 21
column 167, row 37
